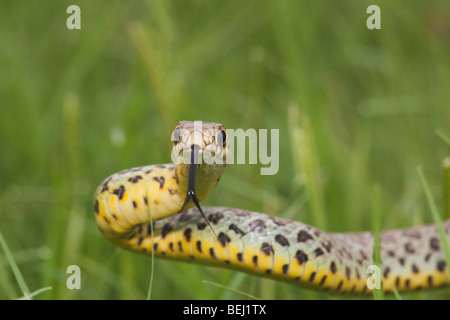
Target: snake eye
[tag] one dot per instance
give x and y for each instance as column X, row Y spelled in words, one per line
column 222, row 137
column 176, row 134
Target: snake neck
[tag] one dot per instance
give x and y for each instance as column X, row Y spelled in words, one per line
column 127, row 201
column 206, row 178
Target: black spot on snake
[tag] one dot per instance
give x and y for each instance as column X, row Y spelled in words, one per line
column 347, row 272
column 322, row 281
column 224, row 239
column 278, row 221
column 363, row 255
column 211, row 252
column 407, row 283
column 96, row 206
column 184, row 216
column 165, row 230
column 301, row 257
column 318, row 252
column 105, row 185
column 201, row 226
column 282, row 240
column 333, row 268
column 285, row 268
column 266, row 248
column 328, row 246
column 414, row 269
column 215, row 217
column 312, row 277
column 135, row 179
column 303, row 236
column 239, row 256
column 441, row 265
column 134, row 204
column 409, row 248
column 435, row 244
column 176, row 177
column 199, row 246
column 255, row 260
column 236, row 229
column 187, row 234
column 160, row 180
column 257, row 225
column 119, row 192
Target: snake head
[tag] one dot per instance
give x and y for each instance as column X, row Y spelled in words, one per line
column 208, row 139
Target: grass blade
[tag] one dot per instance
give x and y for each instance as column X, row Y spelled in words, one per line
column 446, row 165
column 231, row 289
column 396, row 294
column 436, row 218
column 443, row 136
column 306, row 162
column 20, row 280
column 35, row 293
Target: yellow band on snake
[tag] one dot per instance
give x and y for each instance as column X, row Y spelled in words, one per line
column 253, row 242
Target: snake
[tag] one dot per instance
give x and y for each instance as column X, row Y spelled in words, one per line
column 154, row 210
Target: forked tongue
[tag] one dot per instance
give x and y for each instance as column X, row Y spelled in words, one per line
column 191, row 185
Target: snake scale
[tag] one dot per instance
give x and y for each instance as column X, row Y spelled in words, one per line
column 248, row 241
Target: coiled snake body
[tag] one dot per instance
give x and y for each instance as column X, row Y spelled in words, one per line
column 249, row 241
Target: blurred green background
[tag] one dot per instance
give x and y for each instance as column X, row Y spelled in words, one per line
column 356, row 108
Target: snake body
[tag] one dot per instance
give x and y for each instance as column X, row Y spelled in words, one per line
column 254, row 242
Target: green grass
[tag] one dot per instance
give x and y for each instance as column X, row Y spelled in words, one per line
column 436, row 218
column 77, row 106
